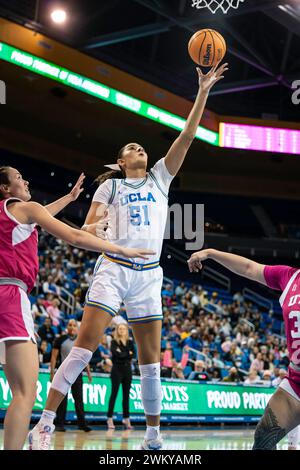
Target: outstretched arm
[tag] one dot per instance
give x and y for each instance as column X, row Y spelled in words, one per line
column 176, row 155
column 237, row 264
column 32, row 212
column 57, row 206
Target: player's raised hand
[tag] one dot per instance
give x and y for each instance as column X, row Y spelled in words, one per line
column 77, row 189
column 208, row 80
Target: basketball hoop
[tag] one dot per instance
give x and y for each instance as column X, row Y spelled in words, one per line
column 215, row 5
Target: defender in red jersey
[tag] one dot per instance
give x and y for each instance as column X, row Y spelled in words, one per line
column 18, row 271
column 283, row 410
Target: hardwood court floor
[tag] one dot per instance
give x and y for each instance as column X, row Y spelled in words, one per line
column 183, row 438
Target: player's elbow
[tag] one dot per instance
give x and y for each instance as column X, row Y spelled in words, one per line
column 187, row 137
column 251, row 270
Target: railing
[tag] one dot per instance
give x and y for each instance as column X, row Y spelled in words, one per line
column 248, row 323
column 257, row 298
column 67, row 306
column 176, row 254
column 167, row 281
column 220, row 279
column 223, row 281
column 207, row 359
column 282, row 336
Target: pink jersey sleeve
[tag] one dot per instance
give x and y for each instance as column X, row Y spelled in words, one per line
column 277, row 277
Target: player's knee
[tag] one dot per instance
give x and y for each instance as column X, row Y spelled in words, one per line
column 79, row 359
column 151, row 389
column 73, row 365
column 25, row 397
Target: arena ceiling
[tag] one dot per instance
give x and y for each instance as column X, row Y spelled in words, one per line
column 148, row 38
column 68, row 128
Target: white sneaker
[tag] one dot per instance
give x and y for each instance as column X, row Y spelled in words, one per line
column 40, row 437
column 152, row 444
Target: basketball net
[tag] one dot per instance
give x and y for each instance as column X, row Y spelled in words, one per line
column 214, row 5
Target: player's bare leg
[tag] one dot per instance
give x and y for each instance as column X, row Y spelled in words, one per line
column 280, row 417
column 93, row 324
column 22, row 381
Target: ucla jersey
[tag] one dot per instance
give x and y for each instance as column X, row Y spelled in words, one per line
column 138, row 209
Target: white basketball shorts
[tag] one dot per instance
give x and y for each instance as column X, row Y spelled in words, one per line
column 138, row 286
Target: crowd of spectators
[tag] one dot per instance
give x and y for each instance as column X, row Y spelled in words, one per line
column 203, row 337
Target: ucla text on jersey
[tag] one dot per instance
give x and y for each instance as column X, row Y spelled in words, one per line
column 136, row 197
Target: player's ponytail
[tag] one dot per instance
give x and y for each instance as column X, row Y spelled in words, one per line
column 4, row 179
column 109, row 175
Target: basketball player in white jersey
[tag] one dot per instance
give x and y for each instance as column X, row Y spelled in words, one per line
column 138, row 206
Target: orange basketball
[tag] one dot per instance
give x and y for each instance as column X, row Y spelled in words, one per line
column 207, row 47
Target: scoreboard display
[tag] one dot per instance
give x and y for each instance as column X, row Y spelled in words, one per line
column 265, row 139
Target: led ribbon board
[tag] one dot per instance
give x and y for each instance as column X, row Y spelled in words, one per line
column 266, row 139
column 98, row 90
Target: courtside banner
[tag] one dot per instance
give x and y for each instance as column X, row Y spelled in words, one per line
column 181, row 399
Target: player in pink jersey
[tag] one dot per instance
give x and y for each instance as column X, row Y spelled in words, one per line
column 282, row 413
column 18, row 271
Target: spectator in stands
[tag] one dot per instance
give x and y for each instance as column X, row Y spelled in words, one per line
column 258, row 362
column 226, row 327
column 193, row 340
column 180, row 291
column 235, row 352
column 57, row 274
column 226, row 347
column 101, row 353
column 220, row 310
column 199, row 373
column 267, row 377
column 49, row 287
column 282, row 373
column 104, row 348
column 196, row 300
column 253, row 377
column 54, row 312
column 46, row 332
column 61, row 349
column 177, row 372
column 167, row 360
column 185, row 333
column 49, row 299
column 238, row 297
column 173, row 334
column 38, row 310
column 203, row 298
column 233, row 375
column 167, row 291
column 44, row 353
column 216, row 359
column 105, row 366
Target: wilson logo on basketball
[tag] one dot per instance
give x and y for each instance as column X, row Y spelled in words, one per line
column 207, row 56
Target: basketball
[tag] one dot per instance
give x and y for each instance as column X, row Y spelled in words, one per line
column 207, row 47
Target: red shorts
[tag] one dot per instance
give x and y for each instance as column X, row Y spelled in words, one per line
column 16, row 322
